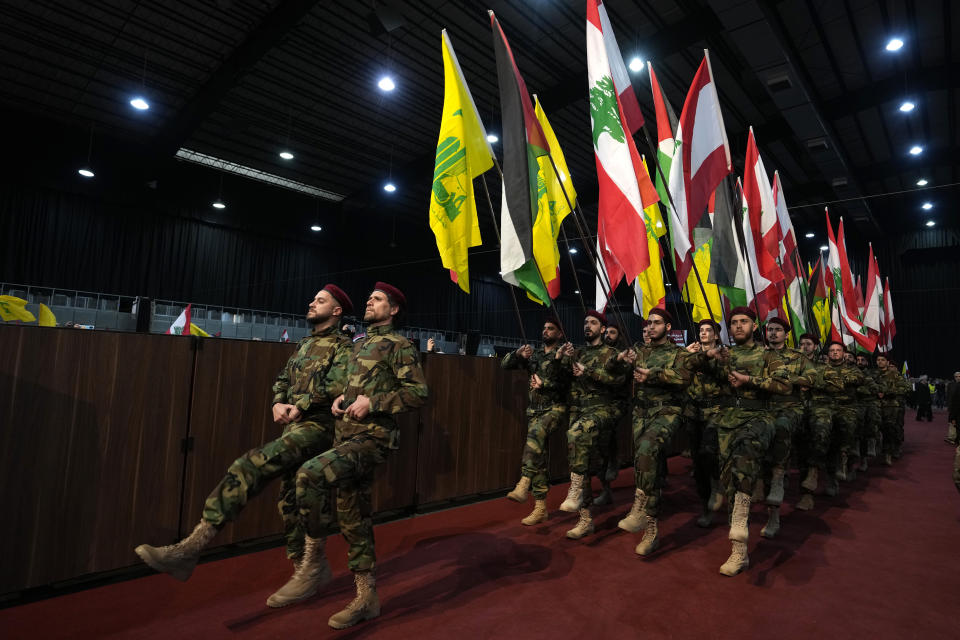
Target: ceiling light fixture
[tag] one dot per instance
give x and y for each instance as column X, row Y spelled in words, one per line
column 636, row 65
column 824, row 248
column 316, row 227
column 286, row 155
column 87, row 170
column 931, row 223
column 389, row 187
column 922, row 182
column 139, row 103
column 492, row 138
column 895, row 44
column 907, row 107
column 386, row 83
column 576, row 291
column 573, row 250
column 916, row 150
column 219, row 203
column 811, row 234
column 927, row 206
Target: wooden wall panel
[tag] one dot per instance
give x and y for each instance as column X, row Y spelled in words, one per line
column 231, row 414
column 90, row 460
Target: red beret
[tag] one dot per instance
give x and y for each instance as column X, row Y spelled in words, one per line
column 395, row 294
column 833, row 342
column 345, row 303
column 554, row 320
column 812, row 338
column 743, row 311
column 663, row 313
column 709, row 322
column 780, row 321
column 598, row 315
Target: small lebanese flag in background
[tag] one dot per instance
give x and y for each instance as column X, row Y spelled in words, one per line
column 181, row 325
column 284, row 337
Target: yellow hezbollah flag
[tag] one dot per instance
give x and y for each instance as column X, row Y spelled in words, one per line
column 13, row 308
column 463, row 153
column 552, row 208
column 649, row 284
column 197, row 331
column 694, row 295
column 46, row 317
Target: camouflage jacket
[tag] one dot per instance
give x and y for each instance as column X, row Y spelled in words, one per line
column 703, row 391
column 768, row 376
column 801, row 373
column 852, row 378
column 315, row 374
column 826, row 383
column 867, row 392
column 385, row 367
column 598, row 384
column 893, row 386
column 555, row 377
column 670, row 374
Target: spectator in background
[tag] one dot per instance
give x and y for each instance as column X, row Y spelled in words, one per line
column 953, row 408
column 921, row 394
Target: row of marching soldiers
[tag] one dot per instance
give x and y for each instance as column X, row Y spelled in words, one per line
column 749, row 409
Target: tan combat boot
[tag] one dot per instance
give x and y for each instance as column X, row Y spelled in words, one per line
column 738, row 560
column 519, row 493
column 772, row 527
column 584, row 526
column 951, row 434
column 740, row 517
column 871, row 447
column 812, row 480
column 842, row 469
column 758, row 491
column 179, row 559
column 605, row 497
column 651, row 538
column 574, row 495
column 716, row 496
column 538, row 515
column 365, row 606
column 637, row 518
column 806, row 502
column 312, row 572
column 775, row 496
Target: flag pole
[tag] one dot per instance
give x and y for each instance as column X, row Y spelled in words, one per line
column 738, row 212
column 496, row 230
column 666, row 188
column 676, row 307
column 786, row 294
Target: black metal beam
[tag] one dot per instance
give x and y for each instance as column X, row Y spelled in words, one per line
column 260, row 40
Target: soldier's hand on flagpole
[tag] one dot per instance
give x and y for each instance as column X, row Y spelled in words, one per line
column 578, row 369
column 565, row 350
column 335, row 407
column 536, row 382
column 627, row 355
column 294, row 413
column 525, row 351
column 360, row 407
column 738, row 379
column 694, row 347
column 640, row 374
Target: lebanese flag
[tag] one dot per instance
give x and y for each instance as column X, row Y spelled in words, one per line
column 629, row 106
column 873, row 311
column 889, row 325
column 858, row 289
column 842, row 287
column 181, row 326
column 700, row 163
column 762, row 211
column 284, row 337
column 624, row 191
column 787, row 236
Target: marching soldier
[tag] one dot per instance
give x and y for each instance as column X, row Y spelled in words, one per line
column 312, row 377
column 593, row 406
column 699, row 407
column 869, row 400
column 607, row 438
column 660, row 373
column 845, row 413
column 892, row 389
column 546, row 413
column 383, row 378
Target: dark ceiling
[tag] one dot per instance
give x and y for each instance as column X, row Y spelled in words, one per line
column 241, row 79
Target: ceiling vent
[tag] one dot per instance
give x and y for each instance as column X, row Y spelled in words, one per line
column 817, row 144
column 779, row 83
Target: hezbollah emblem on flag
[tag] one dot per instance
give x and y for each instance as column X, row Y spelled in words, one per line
column 449, row 175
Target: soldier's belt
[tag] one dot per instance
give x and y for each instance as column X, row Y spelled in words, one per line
column 705, row 403
column 544, row 405
column 790, row 399
column 646, row 405
column 592, row 402
column 756, row 404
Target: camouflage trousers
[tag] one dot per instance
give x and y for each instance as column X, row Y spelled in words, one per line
column 890, row 429
column 845, row 429
column 249, row 473
column 607, row 452
column 744, row 438
column 585, row 425
column 901, row 411
column 653, row 429
column 812, row 440
column 789, row 420
column 540, row 424
column 871, row 421
column 705, row 450
column 348, row 467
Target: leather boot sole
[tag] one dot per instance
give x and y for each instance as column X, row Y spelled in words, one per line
column 179, row 570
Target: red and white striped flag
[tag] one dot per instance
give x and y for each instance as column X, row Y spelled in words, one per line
column 889, row 325
column 284, row 337
column 181, row 326
column 873, row 304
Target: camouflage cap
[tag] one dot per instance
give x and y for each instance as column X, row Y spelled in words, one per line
column 345, row 302
column 395, row 294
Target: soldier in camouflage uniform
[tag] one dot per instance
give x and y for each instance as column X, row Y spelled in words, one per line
column 846, row 446
column 868, row 397
column 789, row 412
column 303, row 391
column 607, row 438
column 660, row 375
column 699, row 407
column 745, row 424
column 593, row 406
column 546, row 412
column 383, row 378
column 892, row 389
column 814, row 438
column 956, row 469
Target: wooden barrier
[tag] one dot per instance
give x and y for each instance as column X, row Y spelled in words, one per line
column 112, row 439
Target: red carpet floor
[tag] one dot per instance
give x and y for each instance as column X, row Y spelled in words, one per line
column 880, row 561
